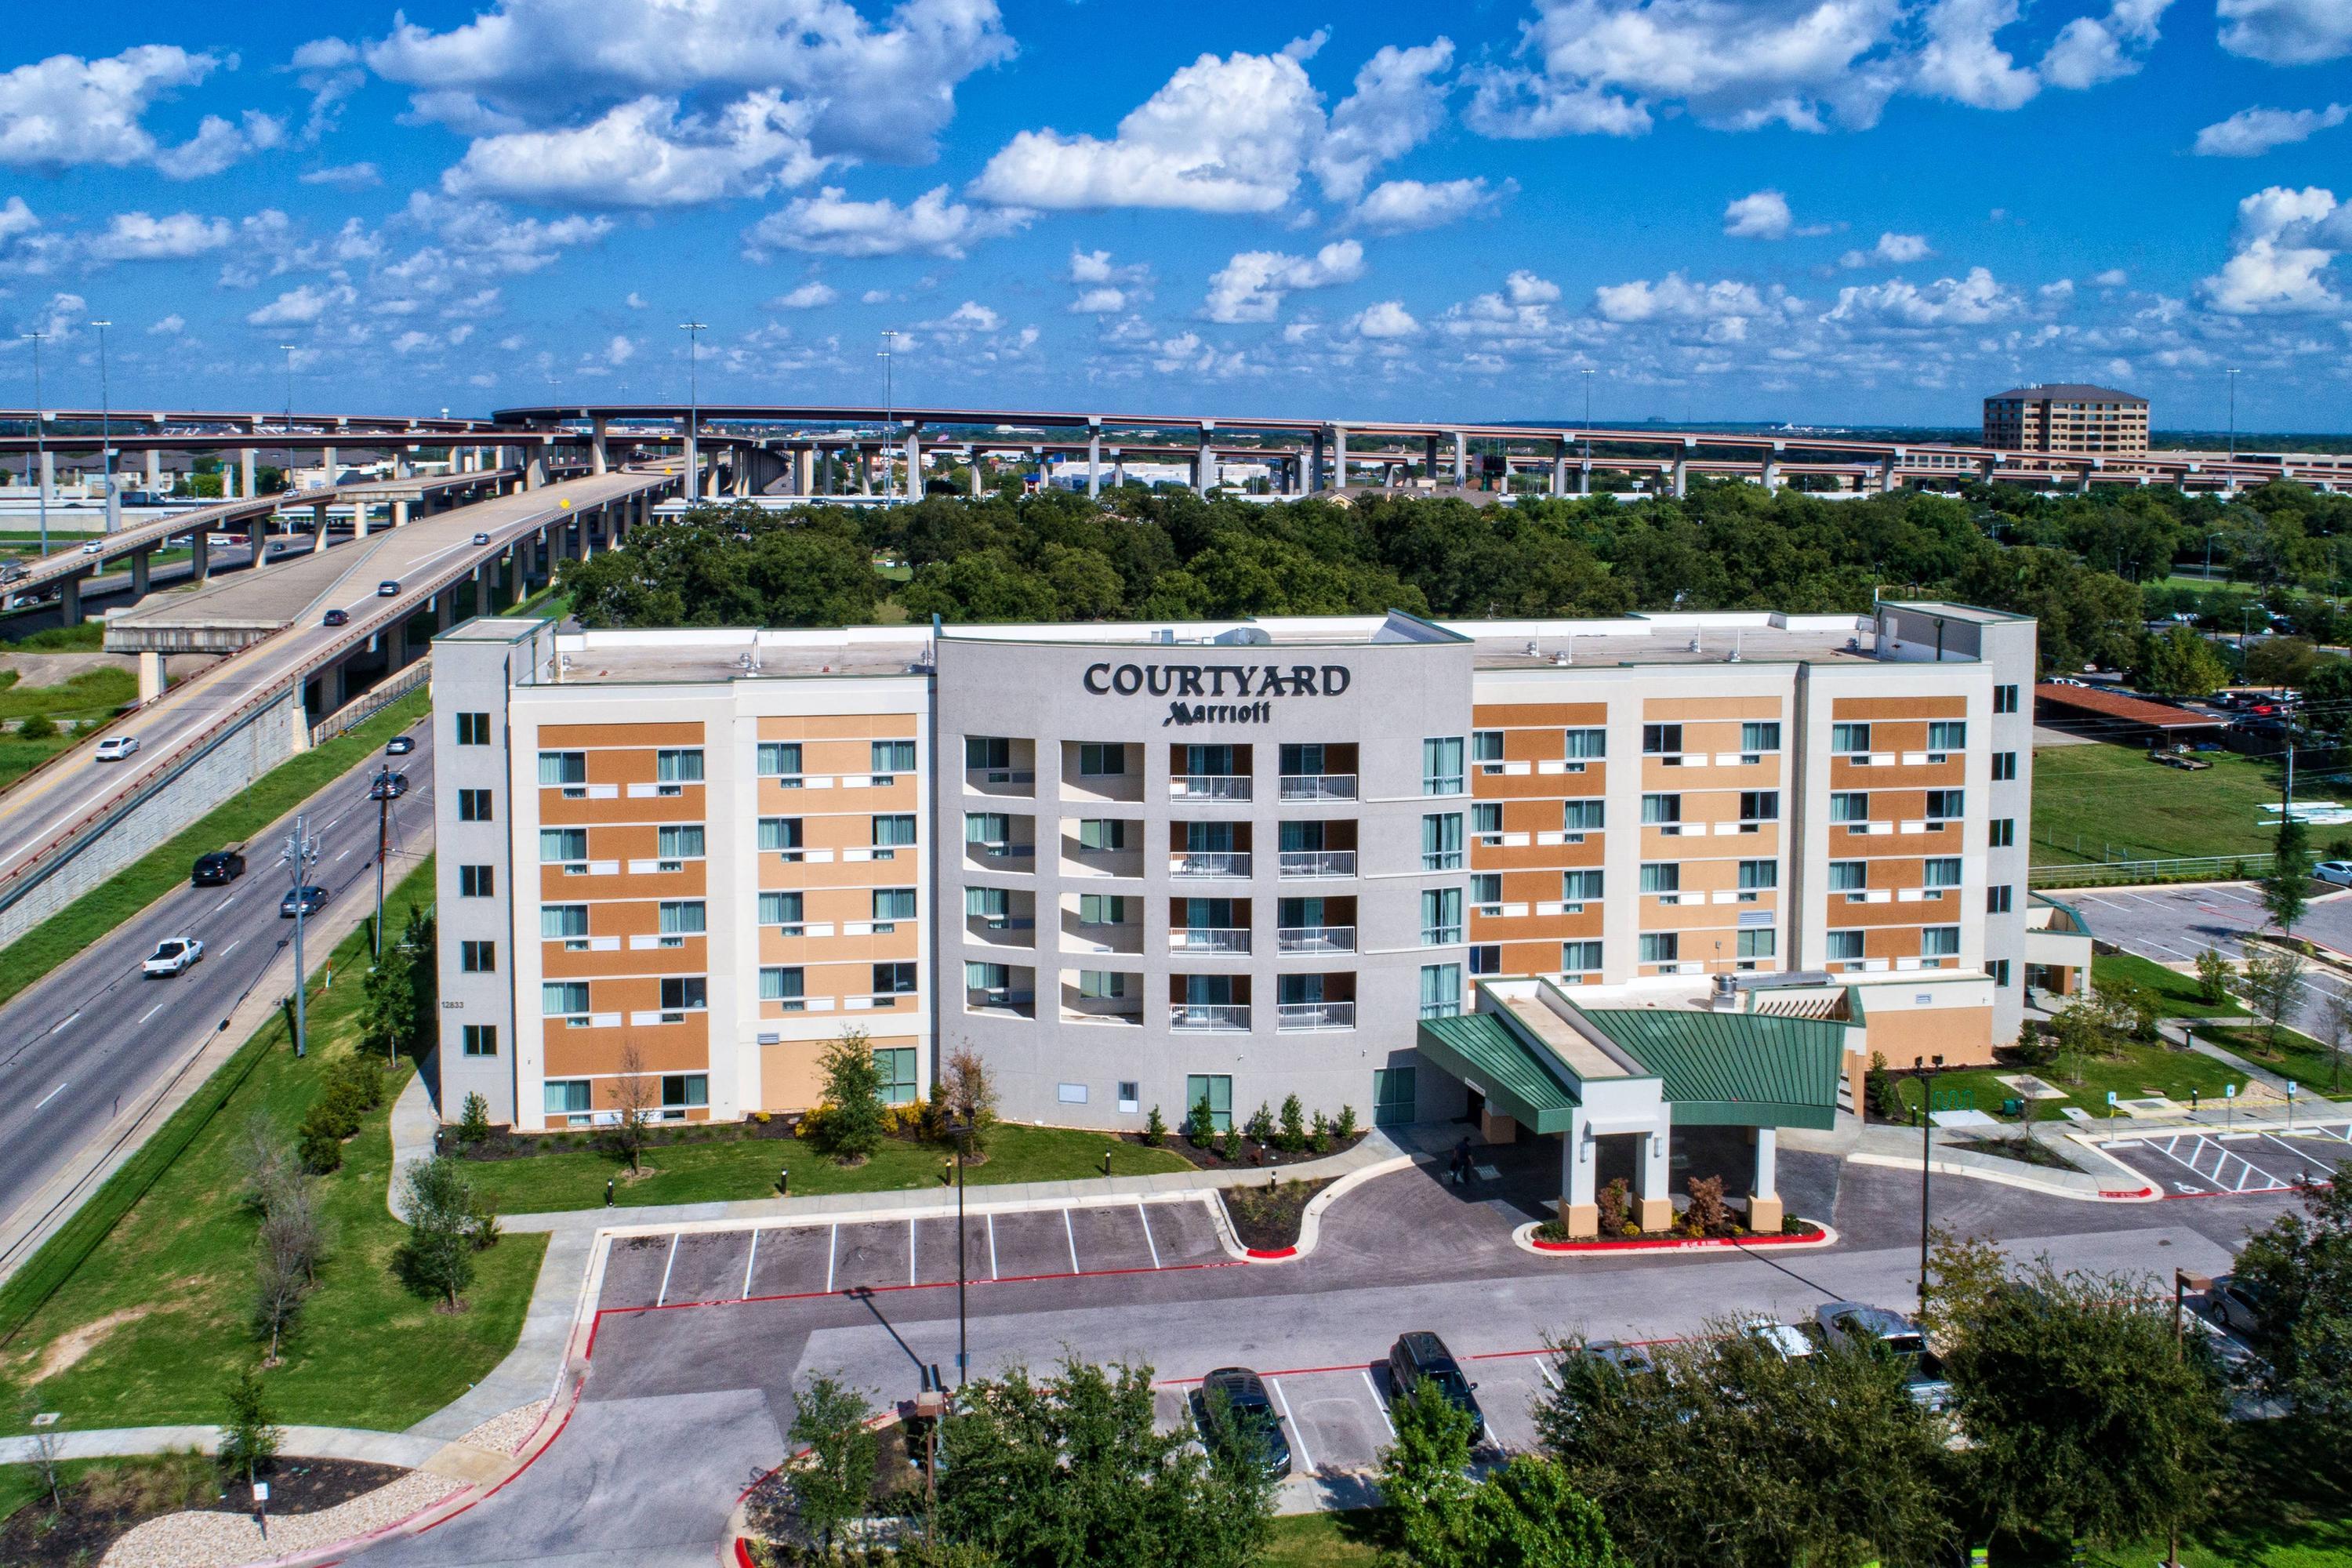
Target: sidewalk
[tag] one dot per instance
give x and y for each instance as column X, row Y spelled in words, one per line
column 308, row 1442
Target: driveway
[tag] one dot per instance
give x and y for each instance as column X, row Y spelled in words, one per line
column 2173, row 925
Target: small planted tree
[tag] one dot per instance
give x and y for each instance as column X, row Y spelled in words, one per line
column 473, row 1119
column 636, row 1094
column 1426, row 1473
column 388, row 1005
column 828, row 1483
column 1261, row 1125
column 972, row 1100
column 250, row 1439
column 1199, row 1123
column 2270, row 983
column 1293, row 1136
column 2286, row 888
column 2331, row 1026
column 445, row 1220
column 2213, row 977
column 852, row 1129
column 1155, row 1127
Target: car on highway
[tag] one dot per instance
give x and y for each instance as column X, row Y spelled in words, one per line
column 114, row 748
column 400, row 745
column 1420, row 1354
column 1250, row 1417
column 94, row 547
column 12, row 571
column 1855, row 1325
column 172, row 955
column 218, row 868
column 387, row 589
column 306, row 901
column 388, row 785
column 336, row 618
column 2337, row 871
column 481, row 539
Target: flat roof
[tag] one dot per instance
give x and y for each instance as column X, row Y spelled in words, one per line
column 2071, row 391
column 2117, row 705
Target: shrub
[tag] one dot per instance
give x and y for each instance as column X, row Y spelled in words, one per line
column 1293, row 1136
column 1615, row 1207
column 2213, row 974
column 1343, row 1126
column 473, row 1119
column 852, row 1128
column 1200, row 1124
column 1155, row 1127
column 249, row 1437
column 36, row 727
column 1261, row 1124
column 1708, row 1215
column 1231, row 1148
column 1320, row 1136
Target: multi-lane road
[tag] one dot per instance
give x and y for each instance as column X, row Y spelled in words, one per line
column 94, row 1037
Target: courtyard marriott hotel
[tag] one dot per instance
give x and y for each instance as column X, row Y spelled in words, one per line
column 1147, row 864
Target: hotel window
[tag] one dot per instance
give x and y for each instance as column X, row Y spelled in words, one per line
column 1486, row 890
column 1102, row 910
column 892, row 905
column 1948, row 735
column 781, row 833
column 681, row 917
column 1102, row 985
column 1441, row 916
column 1486, row 746
column 1662, row 740
column 1661, row 810
column 2004, row 767
column 684, row 993
column 1759, row 943
column 1999, row 967
column 564, row 998
column 1845, row 946
column 2004, row 832
column 473, row 806
column 562, row 768
column 783, row 985
column 892, row 757
column 993, row 905
column 1849, row 738
column 1581, row 887
column 894, row 831
column 1579, row 957
column 2004, row 699
column 473, row 729
column 1662, row 876
column 562, row 922
column 1214, row 1091
column 992, row 978
column 1849, row 876
column 477, row 881
column 681, row 841
column 781, row 759
column 2000, row 899
column 685, row 1090
column 1104, row 833
column 1583, row 815
column 677, row 766
column 1486, row 819
column 1303, row 760
column 481, row 1040
column 1943, row 871
column 780, row 909
column 1098, row 759
column 1584, row 745
column 1759, row 806
column 1441, row 841
column 985, row 753
column 893, row 979
column 1486, row 960
column 1763, row 737
column 478, row 957
column 1441, row 765
column 1440, row 990
column 1939, row 941
column 563, row 845
column 1850, row 805
column 1759, row 875
column 992, row 829
column 1662, row 947
column 1946, row 804
column 565, row 1096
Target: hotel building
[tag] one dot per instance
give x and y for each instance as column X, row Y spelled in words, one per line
column 2067, row 416
column 1140, row 866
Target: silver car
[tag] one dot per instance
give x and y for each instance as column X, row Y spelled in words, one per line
column 2337, row 871
column 1853, row 1325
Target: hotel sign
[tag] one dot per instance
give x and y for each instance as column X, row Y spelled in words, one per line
column 1250, row 688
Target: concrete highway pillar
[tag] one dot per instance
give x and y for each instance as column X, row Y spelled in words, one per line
column 444, row 608
column 824, row 472
column 1339, row 457
column 692, row 456
column 246, row 458
column 155, row 471
column 50, row 479
column 1429, row 458
column 711, row 479
column 1560, row 468
column 914, row 463
column 1094, row 460
column 360, row 510
column 70, row 598
column 1886, row 475
column 596, row 453
column 864, row 473
column 1584, row 478
column 1578, row 1212
column 1682, row 474
column 1315, row 462
column 1771, row 475
column 330, row 465
column 151, row 675
column 804, row 471
column 1652, row 1182
column 1764, row 1211
column 200, row 544
column 1204, row 465
column 317, row 527
column 399, row 512
column 974, row 471
column 139, row 573
column 1461, row 460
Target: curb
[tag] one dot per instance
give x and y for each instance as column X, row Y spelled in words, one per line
column 2003, row 1178
column 1524, row 1239
column 1310, row 1219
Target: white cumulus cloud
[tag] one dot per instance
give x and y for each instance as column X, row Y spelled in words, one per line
column 1892, row 249
column 1676, row 297
column 830, row 223
column 1251, row 287
column 136, row 237
column 807, row 296
column 2250, row 132
column 66, row 111
column 1104, row 287
column 2286, row 32
column 1971, row 300
column 1759, row 214
column 1389, row 319
column 2280, row 255
column 643, row 154
column 1395, row 206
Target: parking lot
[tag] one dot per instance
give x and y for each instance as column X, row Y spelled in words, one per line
column 2173, row 925
column 2199, row 1161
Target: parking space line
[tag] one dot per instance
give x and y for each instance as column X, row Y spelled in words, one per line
column 1297, row 1433
column 992, row 1246
column 663, row 1294
column 2199, row 1145
column 754, row 1257
column 1072, row 1237
column 1378, row 1404
column 1147, row 1232
column 832, row 1248
column 910, row 1251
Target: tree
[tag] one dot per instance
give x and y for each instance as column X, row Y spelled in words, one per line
column 828, row 1482
column 2213, row 977
column 36, row 727
column 2084, row 1417
column 2299, row 1269
column 2286, row 887
column 445, row 1216
column 2077, row 1035
column 2331, row 1026
column 473, row 1119
column 49, row 1450
column 851, row 1127
column 636, row 1096
column 1425, row 1474
column 2180, row 663
column 250, row 1439
column 388, row 1002
column 971, row 1101
column 2270, row 983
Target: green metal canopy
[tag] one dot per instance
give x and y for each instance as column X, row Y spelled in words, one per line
column 1734, row 1069
column 1516, row 1075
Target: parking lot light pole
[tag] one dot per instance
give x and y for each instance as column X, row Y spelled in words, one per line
column 962, row 1133
column 1926, row 1068
column 382, row 840
column 301, row 853
column 2182, row 1282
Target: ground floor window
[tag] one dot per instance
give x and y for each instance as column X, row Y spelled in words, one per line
column 684, row 1090
column 567, row 1098
column 481, row 1040
column 896, row 1064
column 1217, row 1089
column 1391, row 1096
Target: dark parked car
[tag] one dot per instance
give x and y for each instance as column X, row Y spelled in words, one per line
column 217, row 870
column 1420, row 1353
column 400, row 745
column 387, row 589
column 309, row 900
column 1251, row 1418
column 2237, row 1304
column 388, row 785
column 335, row 618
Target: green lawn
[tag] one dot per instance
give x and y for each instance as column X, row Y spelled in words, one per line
column 19, row 758
column 2110, row 802
column 156, row 1323
column 2140, row 1069
column 2178, row 995
column 92, row 694
column 88, row 638
column 742, row 1168
column 1355, row 1539
column 2294, row 1056
column 160, row 870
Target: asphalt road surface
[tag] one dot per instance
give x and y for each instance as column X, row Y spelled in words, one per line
column 2173, row 925
column 94, row 1035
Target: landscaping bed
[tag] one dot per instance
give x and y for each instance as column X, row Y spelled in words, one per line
column 2024, row 1151
column 1266, row 1218
column 2131, row 1068
column 105, row 1499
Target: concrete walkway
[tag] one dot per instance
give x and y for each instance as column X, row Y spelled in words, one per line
column 399, row 1448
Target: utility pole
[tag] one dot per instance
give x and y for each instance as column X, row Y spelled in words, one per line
column 383, row 792
column 40, row 437
column 106, row 424
column 1587, row 416
column 962, row 1134
column 289, row 397
column 1921, row 1066
column 301, row 853
column 2233, row 412
column 889, row 415
column 693, row 331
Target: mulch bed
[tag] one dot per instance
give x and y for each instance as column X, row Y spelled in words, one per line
column 103, row 1505
column 504, row 1144
column 2024, row 1151
column 1254, row 1156
column 1265, row 1218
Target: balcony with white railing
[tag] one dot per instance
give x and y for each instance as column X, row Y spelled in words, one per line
column 1309, row 787
column 1208, row 939
column 1209, row 863
column 1208, row 786
column 1314, row 938
column 1209, row 1015
column 1297, row 1016
column 1317, row 862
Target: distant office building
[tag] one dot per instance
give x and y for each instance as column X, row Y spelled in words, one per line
column 2065, row 417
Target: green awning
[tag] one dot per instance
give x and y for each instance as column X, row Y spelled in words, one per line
column 1515, row 1075
column 1735, row 1069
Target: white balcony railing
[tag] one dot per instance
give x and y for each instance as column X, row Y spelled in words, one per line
column 1209, row 1015
column 1318, row 787
column 1209, row 938
column 1209, row 863
column 1209, row 786
column 1314, row 938
column 1314, row 1016
column 1319, row 862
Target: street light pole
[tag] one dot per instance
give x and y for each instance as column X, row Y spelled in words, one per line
column 289, row 397
column 1920, row 1066
column 693, row 331
column 40, row 438
column 962, row 1134
column 1587, row 416
column 382, row 840
column 2233, row 412
column 301, row 853
column 889, row 412
column 106, row 421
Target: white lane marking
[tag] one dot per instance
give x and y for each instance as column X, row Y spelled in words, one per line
column 992, row 1246
column 330, row 827
column 662, row 1295
column 910, row 1252
column 1545, row 1368
column 1147, row 1232
column 345, row 855
column 150, row 1011
column 1072, row 1237
column 754, row 1257
column 1379, row 1403
column 53, row 1094
column 231, row 947
column 66, row 1019
column 832, row 1248
column 1298, row 1433
column 224, row 903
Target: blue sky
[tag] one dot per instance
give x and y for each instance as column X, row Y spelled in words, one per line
column 1811, row 210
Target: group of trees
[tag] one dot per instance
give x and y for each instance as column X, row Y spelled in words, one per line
column 851, row 1120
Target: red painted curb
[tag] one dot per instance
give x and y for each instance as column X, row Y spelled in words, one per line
column 1271, row 1254
column 1673, row 1244
column 743, row 1554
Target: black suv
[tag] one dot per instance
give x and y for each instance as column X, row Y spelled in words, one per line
column 217, row 869
column 1420, row 1353
column 1250, row 1417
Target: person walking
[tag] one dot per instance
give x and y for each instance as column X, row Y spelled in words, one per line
column 1461, row 1161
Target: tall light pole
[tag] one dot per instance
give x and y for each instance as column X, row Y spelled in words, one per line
column 2233, row 412
column 40, row 437
column 301, row 853
column 106, row 421
column 693, row 331
column 1587, row 416
column 288, row 349
column 962, row 1133
column 1921, row 1066
column 889, row 414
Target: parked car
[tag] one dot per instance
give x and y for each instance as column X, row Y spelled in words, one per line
column 172, row 955
column 387, row 589
column 1854, row 1324
column 1786, row 1340
column 481, row 539
column 218, row 868
column 1627, row 1359
column 2236, row 1304
column 114, row 748
column 1419, row 1353
column 388, row 785
column 336, row 618
column 306, row 901
column 2337, row 871
column 400, row 745
column 1251, row 1418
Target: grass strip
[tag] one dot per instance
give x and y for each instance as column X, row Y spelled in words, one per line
column 2177, row 995
column 161, row 869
